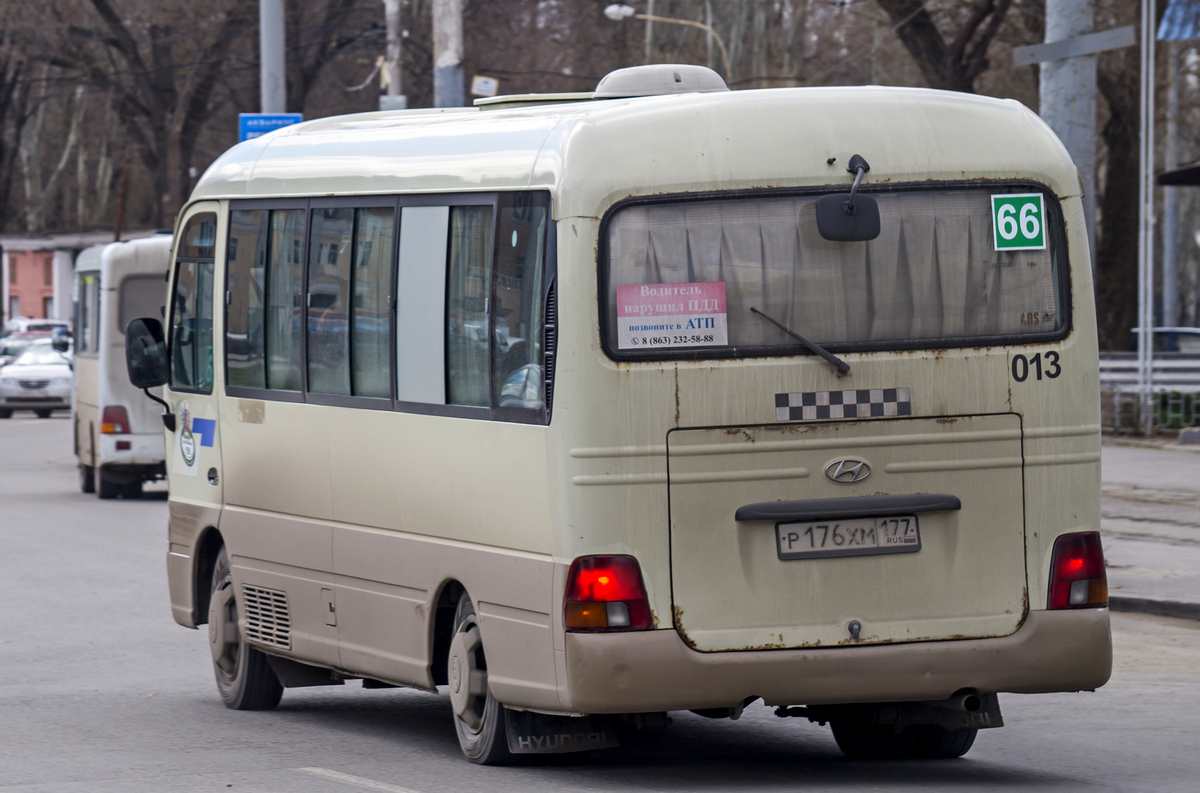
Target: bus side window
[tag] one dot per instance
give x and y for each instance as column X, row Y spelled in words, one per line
column 370, row 374
column 139, row 296
column 468, row 361
column 246, row 282
column 285, row 300
column 349, row 274
column 519, row 311
column 85, row 313
column 329, row 257
column 192, row 306
column 265, row 300
column 95, row 313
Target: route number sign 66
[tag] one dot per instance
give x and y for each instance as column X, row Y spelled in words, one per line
column 1019, row 222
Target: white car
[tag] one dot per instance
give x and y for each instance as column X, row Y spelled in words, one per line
column 30, row 325
column 38, row 380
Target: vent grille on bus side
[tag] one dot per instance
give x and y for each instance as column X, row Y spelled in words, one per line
column 551, row 344
column 267, row 620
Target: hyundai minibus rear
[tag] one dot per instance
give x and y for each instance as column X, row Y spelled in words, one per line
column 842, row 450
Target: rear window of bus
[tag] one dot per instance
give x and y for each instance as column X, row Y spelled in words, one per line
column 680, row 276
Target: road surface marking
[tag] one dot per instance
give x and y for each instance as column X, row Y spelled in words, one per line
column 360, row 781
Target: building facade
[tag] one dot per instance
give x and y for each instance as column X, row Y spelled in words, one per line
column 37, row 273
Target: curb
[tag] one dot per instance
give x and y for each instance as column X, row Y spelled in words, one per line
column 1161, row 608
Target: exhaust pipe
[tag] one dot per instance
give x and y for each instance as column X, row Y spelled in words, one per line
column 968, row 702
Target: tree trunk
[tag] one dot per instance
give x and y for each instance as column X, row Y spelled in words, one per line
column 1117, row 233
column 951, row 65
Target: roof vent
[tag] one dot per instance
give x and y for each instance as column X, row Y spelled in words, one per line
column 657, row 79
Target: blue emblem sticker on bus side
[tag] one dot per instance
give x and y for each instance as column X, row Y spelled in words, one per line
column 205, row 429
column 860, row 403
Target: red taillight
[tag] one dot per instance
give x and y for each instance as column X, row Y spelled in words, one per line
column 606, row 593
column 1077, row 577
column 114, row 421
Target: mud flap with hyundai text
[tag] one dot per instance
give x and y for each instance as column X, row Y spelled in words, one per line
column 540, row 733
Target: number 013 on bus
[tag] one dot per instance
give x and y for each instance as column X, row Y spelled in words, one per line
column 580, row 409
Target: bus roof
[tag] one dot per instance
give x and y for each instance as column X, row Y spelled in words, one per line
column 592, row 153
column 142, row 254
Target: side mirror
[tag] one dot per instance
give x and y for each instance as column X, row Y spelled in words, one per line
column 60, row 343
column 146, row 353
column 146, row 361
column 848, row 218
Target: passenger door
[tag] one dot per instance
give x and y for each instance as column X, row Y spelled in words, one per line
column 193, row 450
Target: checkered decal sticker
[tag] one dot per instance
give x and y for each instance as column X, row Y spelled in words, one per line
column 863, row 403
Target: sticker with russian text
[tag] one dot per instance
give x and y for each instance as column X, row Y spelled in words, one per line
column 671, row 315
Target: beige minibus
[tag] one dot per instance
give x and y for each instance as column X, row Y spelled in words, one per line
column 587, row 408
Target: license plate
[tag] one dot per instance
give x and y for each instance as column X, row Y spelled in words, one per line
column 849, row 537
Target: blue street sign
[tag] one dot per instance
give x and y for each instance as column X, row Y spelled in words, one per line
column 254, row 125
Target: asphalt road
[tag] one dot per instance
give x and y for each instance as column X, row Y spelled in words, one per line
column 101, row 691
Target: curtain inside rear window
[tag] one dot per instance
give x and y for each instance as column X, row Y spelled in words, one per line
column 932, row 274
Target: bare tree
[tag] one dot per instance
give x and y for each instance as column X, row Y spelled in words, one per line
column 1117, row 227
column 14, row 99
column 319, row 32
column 162, row 76
column 40, row 191
column 950, row 64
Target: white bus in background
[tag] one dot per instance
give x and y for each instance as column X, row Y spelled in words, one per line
column 663, row 397
column 118, row 432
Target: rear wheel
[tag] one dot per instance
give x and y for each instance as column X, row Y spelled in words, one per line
column 105, row 487
column 478, row 717
column 87, row 479
column 936, row 743
column 873, row 741
column 132, row 489
column 245, row 679
column 5, row 414
column 882, row 742
column 42, row 414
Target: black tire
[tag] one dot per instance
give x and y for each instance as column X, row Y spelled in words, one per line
column 87, row 479
column 874, row 741
column 43, row 414
column 245, row 679
column 132, row 489
column 935, row 743
column 5, row 414
column 105, row 487
column 478, row 716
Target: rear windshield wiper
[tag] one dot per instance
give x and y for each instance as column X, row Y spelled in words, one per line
column 838, row 363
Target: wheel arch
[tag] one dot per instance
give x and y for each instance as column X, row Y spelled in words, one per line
column 441, row 628
column 207, row 548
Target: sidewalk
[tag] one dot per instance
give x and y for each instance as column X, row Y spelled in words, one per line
column 1150, row 524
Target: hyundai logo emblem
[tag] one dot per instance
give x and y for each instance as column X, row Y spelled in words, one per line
column 847, row 470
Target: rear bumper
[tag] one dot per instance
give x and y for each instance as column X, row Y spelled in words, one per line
column 655, row 671
column 144, row 449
